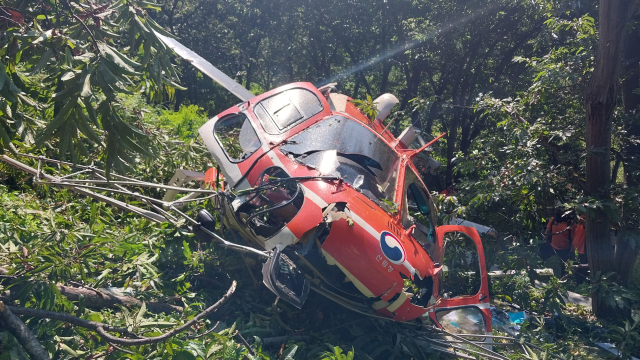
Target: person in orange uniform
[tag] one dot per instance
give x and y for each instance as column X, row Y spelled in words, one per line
column 449, row 190
column 559, row 233
column 578, row 234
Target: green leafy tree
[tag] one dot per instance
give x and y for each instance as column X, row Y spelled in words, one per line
column 63, row 68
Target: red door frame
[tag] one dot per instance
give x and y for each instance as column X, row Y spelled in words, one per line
column 481, row 299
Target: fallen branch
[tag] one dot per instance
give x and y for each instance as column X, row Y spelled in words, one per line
column 97, row 299
column 246, row 344
column 102, row 328
column 121, row 349
column 43, row 314
column 196, row 335
column 102, row 300
column 156, row 339
column 22, row 333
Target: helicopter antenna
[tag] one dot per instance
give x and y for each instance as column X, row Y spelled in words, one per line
column 206, row 67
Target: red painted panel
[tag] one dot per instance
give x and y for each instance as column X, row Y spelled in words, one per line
column 355, row 249
column 409, row 311
column 309, row 216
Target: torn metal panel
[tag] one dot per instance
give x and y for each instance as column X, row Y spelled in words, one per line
column 180, row 178
column 341, row 145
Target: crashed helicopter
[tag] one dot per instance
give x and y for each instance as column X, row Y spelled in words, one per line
column 331, row 199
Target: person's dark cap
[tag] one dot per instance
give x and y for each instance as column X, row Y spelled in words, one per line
column 450, row 183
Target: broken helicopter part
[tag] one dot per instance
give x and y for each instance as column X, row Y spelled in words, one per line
column 332, row 200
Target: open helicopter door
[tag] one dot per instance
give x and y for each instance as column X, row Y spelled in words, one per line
column 462, row 287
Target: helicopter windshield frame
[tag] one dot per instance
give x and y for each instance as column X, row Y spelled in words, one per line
column 341, row 146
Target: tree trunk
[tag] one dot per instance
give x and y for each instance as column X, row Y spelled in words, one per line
column 356, row 88
column 413, row 84
column 600, row 100
column 631, row 101
column 433, row 111
column 251, row 63
column 451, row 145
column 179, row 99
column 386, row 69
column 465, row 137
column 626, row 254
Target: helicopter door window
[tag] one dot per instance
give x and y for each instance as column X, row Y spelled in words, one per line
column 460, row 275
column 237, row 136
column 282, row 111
column 418, row 210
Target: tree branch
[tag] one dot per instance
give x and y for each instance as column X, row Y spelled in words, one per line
column 22, row 333
column 152, row 340
column 102, row 328
column 93, row 39
column 100, row 299
column 246, row 344
column 93, row 325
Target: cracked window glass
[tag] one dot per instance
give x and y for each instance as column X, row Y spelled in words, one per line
column 466, row 320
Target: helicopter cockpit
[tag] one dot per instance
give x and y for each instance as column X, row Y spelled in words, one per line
column 345, row 148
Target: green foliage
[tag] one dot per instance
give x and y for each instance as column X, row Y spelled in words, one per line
column 616, row 296
column 626, row 338
column 367, row 107
column 336, row 354
column 504, row 78
column 185, row 122
column 63, row 69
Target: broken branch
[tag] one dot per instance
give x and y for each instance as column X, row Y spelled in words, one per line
column 102, row 328
column 95, row 299
column 93, row 325
column 22, row 333
column 143, row 341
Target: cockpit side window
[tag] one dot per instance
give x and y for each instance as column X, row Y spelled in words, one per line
column 418, row 209
column 237, row 136
column 282, row 111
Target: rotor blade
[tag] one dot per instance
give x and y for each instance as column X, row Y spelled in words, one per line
column 206, row 67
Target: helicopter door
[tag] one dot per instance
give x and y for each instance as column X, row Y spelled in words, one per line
column 231, row 140
column 462, row 287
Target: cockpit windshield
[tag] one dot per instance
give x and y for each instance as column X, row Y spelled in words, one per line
column 346, row 148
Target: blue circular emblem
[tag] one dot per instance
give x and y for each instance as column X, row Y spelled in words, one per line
column 392, row 248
